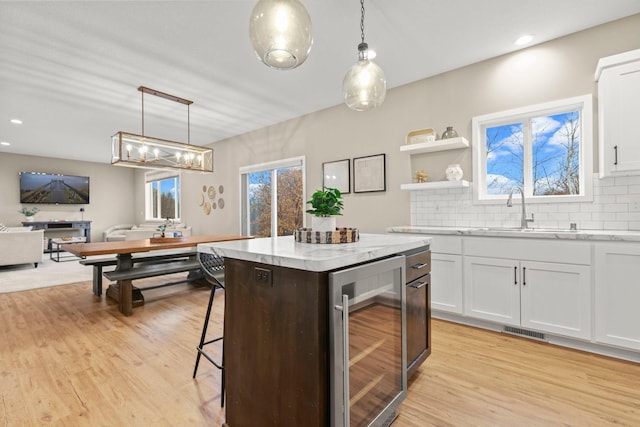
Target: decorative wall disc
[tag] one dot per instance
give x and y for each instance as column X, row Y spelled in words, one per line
column 207, row 208
column 201, row 200
column 204, row 188
column 221, row 189
column 221, row 203
column 213, row 205
column 212, row 192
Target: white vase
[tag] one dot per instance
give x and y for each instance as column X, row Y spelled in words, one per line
column 454, row 172
column 323, row 223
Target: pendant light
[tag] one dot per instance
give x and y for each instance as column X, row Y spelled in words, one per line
column 280, row 32
column 364, row 85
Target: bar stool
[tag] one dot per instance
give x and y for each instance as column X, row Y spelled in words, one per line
column 213, row 269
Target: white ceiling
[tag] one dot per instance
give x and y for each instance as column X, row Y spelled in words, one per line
column 70, row 70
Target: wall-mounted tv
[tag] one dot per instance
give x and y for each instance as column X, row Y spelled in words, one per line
column 52, row 188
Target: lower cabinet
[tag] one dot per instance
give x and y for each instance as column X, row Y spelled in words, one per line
column 617, row 290
column 446, row 291
column 545, row 296
column 418, row 319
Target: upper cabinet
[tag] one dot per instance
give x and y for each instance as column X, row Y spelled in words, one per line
column 618, row 78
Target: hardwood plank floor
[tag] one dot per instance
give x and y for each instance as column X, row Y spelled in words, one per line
column 68, row 358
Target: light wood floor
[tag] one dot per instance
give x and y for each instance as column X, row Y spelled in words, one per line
column 68, row 358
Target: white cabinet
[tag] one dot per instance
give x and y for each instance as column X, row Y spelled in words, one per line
column 534, row 293
column 617, row 289
column 618, row 79
column 446, row 274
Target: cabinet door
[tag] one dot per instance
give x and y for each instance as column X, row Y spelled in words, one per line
column 556, row 298
column 446, row 286
column 492, row 289
column 619, row 109
column 418, row 322
column 617, row 285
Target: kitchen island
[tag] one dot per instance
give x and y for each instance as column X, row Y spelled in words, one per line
column 278, row 339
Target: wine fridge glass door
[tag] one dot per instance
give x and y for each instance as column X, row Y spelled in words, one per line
column 368, row 344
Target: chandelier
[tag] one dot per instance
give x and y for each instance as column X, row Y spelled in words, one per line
column 141, row 151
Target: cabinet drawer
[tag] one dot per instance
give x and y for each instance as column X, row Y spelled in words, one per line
column 418, row 265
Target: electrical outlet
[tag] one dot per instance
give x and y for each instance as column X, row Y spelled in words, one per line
column 262, row 275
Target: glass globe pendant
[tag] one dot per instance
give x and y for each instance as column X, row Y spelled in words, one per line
column 280, row 32
column 364, row 85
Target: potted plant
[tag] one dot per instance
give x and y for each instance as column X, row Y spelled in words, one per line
column 325, row 205
column 29, row 212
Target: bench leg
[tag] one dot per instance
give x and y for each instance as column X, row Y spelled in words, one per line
column 97, row 280
column 125, row 290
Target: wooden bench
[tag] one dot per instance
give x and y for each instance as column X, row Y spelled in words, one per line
column 123, row 292
column 99, row 263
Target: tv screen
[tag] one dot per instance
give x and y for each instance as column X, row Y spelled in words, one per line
column 53, row 188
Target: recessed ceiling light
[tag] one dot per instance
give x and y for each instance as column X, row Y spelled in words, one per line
column 524, row 39
column 16, row 121
column 5, row 143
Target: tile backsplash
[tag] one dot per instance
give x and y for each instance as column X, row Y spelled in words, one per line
column 615, row 206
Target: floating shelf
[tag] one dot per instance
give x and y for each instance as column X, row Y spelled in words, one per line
column 436, row 185
column 440, row 145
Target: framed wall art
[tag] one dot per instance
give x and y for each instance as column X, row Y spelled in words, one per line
column 369, row 174
column 337, row 175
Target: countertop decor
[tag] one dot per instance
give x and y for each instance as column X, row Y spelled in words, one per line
column 340, row 235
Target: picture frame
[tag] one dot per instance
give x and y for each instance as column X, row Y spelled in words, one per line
column 369, row 174
column 337, row 174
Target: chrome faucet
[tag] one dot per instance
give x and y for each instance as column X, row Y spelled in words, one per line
column 524, row 221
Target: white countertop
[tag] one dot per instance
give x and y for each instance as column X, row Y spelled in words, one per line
column 541, row 233
column 286, row 252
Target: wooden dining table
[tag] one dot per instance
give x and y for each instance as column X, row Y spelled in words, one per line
column 125, row 249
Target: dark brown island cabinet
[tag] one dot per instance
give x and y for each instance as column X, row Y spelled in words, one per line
column 418, row 297
column 277, row 343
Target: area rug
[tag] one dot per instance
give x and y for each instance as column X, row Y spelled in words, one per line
column 49, row 273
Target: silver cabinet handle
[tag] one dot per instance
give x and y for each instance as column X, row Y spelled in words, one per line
column 615, row 154
column 418, row 285
column 419, row 265
column 515, row 275
column 345, row 359
column 524, row 276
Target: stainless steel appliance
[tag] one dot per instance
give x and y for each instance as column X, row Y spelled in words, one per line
column 368, row 343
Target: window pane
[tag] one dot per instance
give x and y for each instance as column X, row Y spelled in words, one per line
column 260, row 204
column 556, row 149
column 163, row 198
column 504, row 154
column 289, row 200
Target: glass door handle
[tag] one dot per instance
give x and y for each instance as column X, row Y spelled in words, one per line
column 344, row 308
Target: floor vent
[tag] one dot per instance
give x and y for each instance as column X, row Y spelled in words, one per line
column 524, row 333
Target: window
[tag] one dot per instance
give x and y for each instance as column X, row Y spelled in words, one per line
column 273, row 198
column 544, row 149
column 162, row 195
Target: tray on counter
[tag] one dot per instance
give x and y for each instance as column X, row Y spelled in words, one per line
column 340, row 235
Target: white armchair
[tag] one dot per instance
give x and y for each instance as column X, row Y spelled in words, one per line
column 21, row 246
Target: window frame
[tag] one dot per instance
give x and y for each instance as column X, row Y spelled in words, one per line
column 273, row 166
column 584, row 103
column 155, row 176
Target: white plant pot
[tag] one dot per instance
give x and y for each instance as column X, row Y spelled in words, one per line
column 28, row 219
column 323, row 223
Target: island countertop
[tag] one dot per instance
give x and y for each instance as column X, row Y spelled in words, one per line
column 284, row 251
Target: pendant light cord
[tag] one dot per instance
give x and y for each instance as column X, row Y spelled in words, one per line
column 362, row 20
